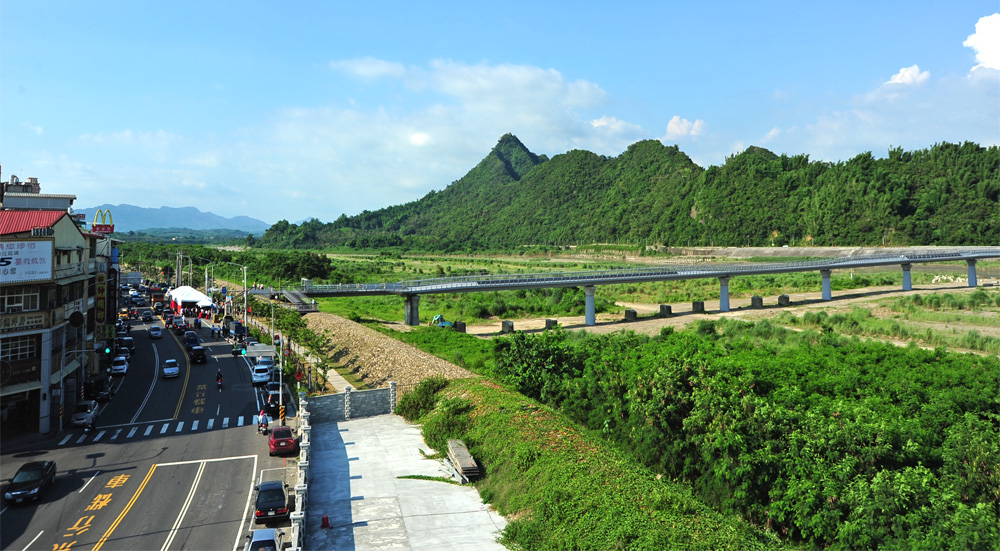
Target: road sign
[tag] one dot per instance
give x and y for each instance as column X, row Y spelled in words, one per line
column 287, row 352
column 282, row 414
column 298, row 375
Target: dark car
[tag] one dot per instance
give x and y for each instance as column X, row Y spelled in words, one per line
column 281, row 440
column 147, row 316
column 271, row 503
column 197, row 354
column 273, row 403
column 99, row 389
column 190, row 339
column 30, row 482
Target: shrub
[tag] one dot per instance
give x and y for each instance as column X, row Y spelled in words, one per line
column 421, row 400
column 451, row 421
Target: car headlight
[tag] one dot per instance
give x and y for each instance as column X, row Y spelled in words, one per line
column 34, row 491
column 8, row 495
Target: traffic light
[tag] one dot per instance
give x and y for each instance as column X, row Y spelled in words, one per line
column 243, row 352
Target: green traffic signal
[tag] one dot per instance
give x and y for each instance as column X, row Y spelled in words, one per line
column 107, row 349
column 243, row 352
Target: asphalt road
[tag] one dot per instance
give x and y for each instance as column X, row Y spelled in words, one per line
column 171, row 465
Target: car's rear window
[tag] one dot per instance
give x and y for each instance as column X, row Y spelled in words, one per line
column 282, row 432
column 271, row 495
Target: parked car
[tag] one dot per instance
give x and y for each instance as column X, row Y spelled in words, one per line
column 84, row 411
column 260, row 375
column 147, row 316
column 281, row 440
column 119, row 366
column 129, row 343
column 265, row 361
column 273, row 403
column 271, row 503
column 171, row 369
column 99, row 389
column 265, row 539
column 198, row 354
column 31, row 481
column 155, row 332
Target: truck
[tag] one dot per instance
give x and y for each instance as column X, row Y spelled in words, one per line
column 156, row 294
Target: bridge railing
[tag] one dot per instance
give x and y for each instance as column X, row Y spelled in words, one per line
column 634, row 272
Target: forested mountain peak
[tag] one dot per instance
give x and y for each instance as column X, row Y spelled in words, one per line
column 653, row 194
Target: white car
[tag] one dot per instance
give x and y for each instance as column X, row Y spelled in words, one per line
column 171, row 369
column 260, row 375
column 265, row 361
column 83, row 412
column 155, row 332
column 119, row 366
column 265, row 539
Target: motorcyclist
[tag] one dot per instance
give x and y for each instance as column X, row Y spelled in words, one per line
column 218, row 377
column 262, row 421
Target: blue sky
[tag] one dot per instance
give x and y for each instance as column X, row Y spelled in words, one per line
column 295, row 110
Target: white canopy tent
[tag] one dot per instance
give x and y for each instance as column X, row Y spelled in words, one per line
column 186, row 294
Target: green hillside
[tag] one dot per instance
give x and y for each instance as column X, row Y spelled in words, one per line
column 653, row 194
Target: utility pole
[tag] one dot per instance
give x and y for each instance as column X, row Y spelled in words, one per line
column 245, row 291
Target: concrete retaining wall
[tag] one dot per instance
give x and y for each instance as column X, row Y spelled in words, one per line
column 352, row 404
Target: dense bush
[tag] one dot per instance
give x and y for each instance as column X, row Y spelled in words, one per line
column 422, row 399
column 827, row 440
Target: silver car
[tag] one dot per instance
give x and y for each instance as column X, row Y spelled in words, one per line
column 83, row 412
column 119, row 366
column 260, row 375
column 171, row 369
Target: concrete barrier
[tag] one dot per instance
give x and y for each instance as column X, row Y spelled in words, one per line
column 460, row 326
column 698, row 307
column 506, row 326
column 784, row 300
column 631, row 315
column 756, row 302
column 665, row 310
column 551, row 324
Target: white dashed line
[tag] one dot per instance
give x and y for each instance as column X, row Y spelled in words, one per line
column 180, row 426
column 194, row 425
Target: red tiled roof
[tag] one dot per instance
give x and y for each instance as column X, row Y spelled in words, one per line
column 17, row 221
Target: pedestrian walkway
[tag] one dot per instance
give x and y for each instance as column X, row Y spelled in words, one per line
column 163, row 427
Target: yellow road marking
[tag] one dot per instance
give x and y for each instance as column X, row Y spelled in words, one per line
column 187, row 376
column 125, row 511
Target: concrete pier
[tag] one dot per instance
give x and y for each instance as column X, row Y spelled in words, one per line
column 724, row 294
column 411, row 309
column 907, row 285
column 590, row 314
column 827, row 294
column 972, row 272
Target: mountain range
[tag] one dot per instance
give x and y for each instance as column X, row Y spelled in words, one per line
column 132, row 218
column 655, row 195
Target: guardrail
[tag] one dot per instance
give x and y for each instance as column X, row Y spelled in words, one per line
column 633, row 274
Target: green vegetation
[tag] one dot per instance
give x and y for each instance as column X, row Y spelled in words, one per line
column 563, row 488
column 826, row 440
column 458, row 348
column 657, row 197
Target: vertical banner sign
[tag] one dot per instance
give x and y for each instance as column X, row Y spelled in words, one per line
column 101, row 295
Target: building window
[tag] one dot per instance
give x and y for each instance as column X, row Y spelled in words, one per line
column 18, row 348
column 18, row 297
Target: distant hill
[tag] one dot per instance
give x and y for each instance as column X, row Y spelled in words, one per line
column 132, row 218
column 654, row 194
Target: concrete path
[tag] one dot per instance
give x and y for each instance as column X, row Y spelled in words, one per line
column 353, row 480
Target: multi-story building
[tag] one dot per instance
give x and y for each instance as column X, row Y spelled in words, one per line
column 58, row 295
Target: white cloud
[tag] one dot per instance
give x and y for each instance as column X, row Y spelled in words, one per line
column 369, row 68
column 679, row 128
column 420, row 138
column 986, row 42
column 910, row 75
column 772, row 134
column 33, row 128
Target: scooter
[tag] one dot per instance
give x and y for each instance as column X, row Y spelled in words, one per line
column 218, row 384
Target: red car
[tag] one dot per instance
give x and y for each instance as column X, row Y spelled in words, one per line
column 281, row 440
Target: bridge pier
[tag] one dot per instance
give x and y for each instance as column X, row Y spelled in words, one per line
column 972, row 272
column 724, row 294
column 591, row 315
column 907, row 285
column 827, row 294
column 411, row 309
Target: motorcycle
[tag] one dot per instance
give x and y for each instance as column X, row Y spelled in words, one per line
column 218, row 384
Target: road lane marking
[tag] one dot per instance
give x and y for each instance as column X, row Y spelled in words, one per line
column 164, row 429
column 88, row 482
column 194, row 425
column 180, row 426
column 115, row 435
column 98, row 437
column 210, row 423
column 225, row 422
column 246, row 509
column 132, row 432
column 239, row 421
column 213, row 460
column 187, row 378
column 184, row 508
column 64, row 440
column 134, row 424
column 26, row 547
column 145, row 400
column 125, row 511
column 82, row 438
column 149, row 429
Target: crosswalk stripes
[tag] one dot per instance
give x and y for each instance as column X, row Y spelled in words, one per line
column 125, row 432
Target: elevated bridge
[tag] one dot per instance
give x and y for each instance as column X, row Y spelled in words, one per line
column 589, row 280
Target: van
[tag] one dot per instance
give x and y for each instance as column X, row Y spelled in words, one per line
column 190, row 339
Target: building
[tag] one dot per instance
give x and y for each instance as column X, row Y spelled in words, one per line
column 58, row 298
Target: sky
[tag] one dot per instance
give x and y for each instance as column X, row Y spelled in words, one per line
column 310, row 109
